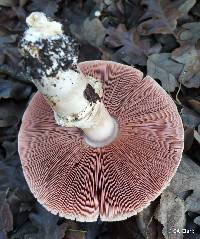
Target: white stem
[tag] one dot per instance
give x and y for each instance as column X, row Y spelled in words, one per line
column 75, row 98
column 104, row 132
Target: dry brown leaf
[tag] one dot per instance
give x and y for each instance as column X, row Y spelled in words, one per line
column 6, row 216
column 197, row 220
column 192, row 202
column 197, row 136
column 186, row 178
column 162, row 67
column 189, row 56
column 188, row 138
column 91, row 30
column 8, row 3
column 161, row 15
column 144, row 218
column 189, row 33
column 22, row 2
column 196, row 9
column 47, row 224
column 171, row 213
column 132, row 49
column 190, row 118
column 195, row 104
column 50, row 7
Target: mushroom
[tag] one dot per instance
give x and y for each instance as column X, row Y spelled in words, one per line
column 119, row 151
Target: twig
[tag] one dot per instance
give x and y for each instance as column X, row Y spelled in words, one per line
column 76, row 230
column 177, row 99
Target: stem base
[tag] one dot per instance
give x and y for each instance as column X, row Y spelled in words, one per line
column 108, row 140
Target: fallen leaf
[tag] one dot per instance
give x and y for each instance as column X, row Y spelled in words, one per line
column 161, row 15
column 185, row 6
column 7, row 121
column 196, row 9
column 8, row 133
column 197, row 136
column 186, row 178
column 9, row 114
column 50, row 7
column 170, row 213
column 94, row 31
column 22, row 2
column 197, row 220
column 91, row 30
column 11, row 176
column 144, row 219
column 188, row 138
column 17, row 74
column 133, row 49
column 46, row 223
column 162, row 67
column 14, row 90
column 168, row 42
column 190, row 118
column 10, row 149
column 11, row 54
column 114, row 10
column 88, row 52
column 132, row 12
column 192, row 202
column 154, row 230
column 7, row 39
column 190, row 58
column 8, row 3
column 6, row 217
column 195, row 104
column 12, row 19
column 190, row 32
column 3, row 235
column 26, row 231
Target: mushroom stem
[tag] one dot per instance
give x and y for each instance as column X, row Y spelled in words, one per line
column 51, row 60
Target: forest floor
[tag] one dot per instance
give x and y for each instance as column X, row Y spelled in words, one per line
column 162, row 39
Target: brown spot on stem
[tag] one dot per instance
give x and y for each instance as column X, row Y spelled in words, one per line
column 90, row 94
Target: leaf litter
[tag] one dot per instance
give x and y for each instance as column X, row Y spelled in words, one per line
column 161, row 38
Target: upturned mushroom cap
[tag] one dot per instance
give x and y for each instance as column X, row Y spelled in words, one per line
column 77, row 181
